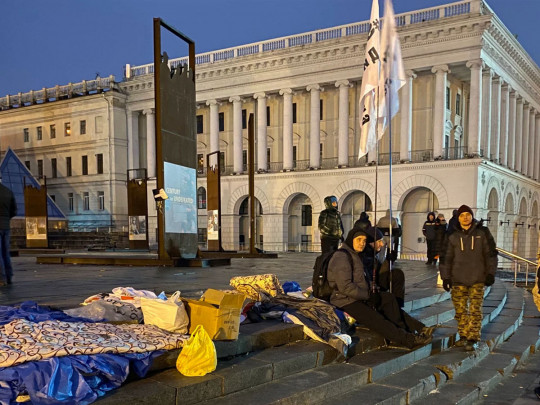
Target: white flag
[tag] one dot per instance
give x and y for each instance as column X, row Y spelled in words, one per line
column 392, row 72
column 370, row 82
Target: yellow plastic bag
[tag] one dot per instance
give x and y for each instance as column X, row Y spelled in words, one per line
column 198, row 356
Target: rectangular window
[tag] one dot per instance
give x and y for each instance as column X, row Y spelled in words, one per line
column 200, row 128
column 99, row 163
column 294, row 156
column 458, row 104
column 320, row 150
column 321, row 105
column 268, row 158
column 40, row 168
column 39, row 133
column 83, row 127
column 294, row 113
column 306, row 215
column 68, row 166
column 201, row 198
column 448, row 98
column 86, row 201
column 221, row 117
column 67, row 129
column 201, row 235
column 101, row 200
column 244, row 159
column 70, row 202
column 54, row 171
column 244, row 119
column 26, row 135
column 27, row 164
column 200, row 162
column 85, row 165
column 267, row 115
column 52, row 128
column 222, row 161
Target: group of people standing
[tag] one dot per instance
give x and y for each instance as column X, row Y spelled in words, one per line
column 364, row 287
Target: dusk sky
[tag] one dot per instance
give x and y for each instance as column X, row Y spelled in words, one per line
column 51, row 42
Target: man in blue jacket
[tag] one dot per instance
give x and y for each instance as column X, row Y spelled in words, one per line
column 8, row 209
column 469, row 265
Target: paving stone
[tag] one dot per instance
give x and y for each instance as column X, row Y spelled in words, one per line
column 372, row 394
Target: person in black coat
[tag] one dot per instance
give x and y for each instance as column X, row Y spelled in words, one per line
column 440, row 234
column 8, row 209
column 379, row 311
column 429, row 232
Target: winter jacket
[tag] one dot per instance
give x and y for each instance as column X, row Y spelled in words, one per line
column 8, row 207
column 440, row 233
column 470, row 256
column 349, row 284
column 330, row 224
column 429, row 227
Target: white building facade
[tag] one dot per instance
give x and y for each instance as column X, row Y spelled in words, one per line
column 468, row 132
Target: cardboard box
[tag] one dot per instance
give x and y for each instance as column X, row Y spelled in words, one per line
column 218, row 312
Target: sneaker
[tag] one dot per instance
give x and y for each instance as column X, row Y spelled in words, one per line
column 471, row 345
column 427, row 330
column 421, row 340
column 460, row 343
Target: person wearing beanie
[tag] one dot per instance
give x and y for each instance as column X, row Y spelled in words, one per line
column 440, row 233
column 429, row 232
column 470, row 262
column 379, row 311
column 375, row 259
column 387, row 225
column 330, row 225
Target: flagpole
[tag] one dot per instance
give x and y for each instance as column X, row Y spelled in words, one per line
column 377, row 98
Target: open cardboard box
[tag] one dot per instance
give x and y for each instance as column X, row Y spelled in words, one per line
column 218, row 312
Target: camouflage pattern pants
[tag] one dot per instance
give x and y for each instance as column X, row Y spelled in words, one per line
column 468, row 305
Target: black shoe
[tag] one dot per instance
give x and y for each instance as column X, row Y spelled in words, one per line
column 471, row 345
column 9, row 281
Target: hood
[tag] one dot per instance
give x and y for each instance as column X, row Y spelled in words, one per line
column 353, row 233
column 328, row 202
column 431, row 220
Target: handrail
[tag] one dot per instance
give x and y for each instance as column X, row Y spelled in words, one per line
column 516, row 259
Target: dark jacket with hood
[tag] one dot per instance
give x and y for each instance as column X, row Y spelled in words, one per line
column 8, row 207
column 470, row 255
column 349, row 284
column 440, row 233
column 429, row 227
column 330, row 221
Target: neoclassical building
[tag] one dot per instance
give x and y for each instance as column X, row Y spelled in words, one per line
column 467, row 132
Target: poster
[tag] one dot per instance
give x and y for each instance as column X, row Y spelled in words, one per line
column 137, row 227
column 213, row 225
column 181, row 204
column 36, row 228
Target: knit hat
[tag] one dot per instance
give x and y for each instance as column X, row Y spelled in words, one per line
column 464, row 208
column 354, row 233
column 374, row 234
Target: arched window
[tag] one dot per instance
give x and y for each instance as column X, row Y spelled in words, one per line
column 201, row 198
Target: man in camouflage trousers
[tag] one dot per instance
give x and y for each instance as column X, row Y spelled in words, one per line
column 469, row 264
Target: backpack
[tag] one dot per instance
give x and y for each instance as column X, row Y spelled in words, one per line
column 320, row 285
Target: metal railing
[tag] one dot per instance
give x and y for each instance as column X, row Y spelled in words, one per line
column 517, row 262
column 306, row 38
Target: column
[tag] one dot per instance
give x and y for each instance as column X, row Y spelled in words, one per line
column 525, row 138
column 439, row 109
column 343, row 123
column 262, row 164
column 238, row 166
column 405, row 141
column 288, row 163
column 315, row 126
column 133, row 139
column 512, row 129
column 518, row 135
column 532, row 142
column 487, row 76
column 495, row 119
column 503, row 132
column 150, row 143
column 475, row 104
column 214, row 130
column 537, row 154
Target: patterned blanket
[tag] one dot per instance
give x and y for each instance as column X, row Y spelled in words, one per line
column 22, row 340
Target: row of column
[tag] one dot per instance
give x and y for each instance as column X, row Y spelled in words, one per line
column 261, row 130
column 132, row 119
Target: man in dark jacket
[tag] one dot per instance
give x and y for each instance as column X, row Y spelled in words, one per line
column 429, row 232
column 330, row 225
column 8, row 209
column 379, row 311
column 389, row 225
column 469, row 265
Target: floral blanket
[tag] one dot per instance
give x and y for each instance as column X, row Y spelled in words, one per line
column 22, row 340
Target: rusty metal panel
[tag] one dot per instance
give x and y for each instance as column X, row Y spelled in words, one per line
column 213, row 203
